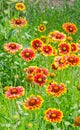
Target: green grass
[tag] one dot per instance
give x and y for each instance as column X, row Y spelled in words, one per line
column 12, row 65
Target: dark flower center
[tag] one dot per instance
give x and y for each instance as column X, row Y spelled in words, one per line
column 12, row 46
column 14, row 91
column 18, row 21
column 32, row 102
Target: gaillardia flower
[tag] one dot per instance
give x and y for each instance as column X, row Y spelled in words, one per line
column 14, row 92
column 42, row 71
column 73, row 60
column 56, row 89
column 69, row 28
column 77, row 121
column 12, row 47
column 74, row 47
column 27, row 54
column 41, row 28
column 53, row 115
column 39, row 79
column 57, row 36
column 64, row 48
column 47, row 50
column 33, row 102
column 18, row 22
column 36, row 44
column 20, row 6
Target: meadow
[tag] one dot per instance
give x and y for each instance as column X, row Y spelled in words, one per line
column 39, row 65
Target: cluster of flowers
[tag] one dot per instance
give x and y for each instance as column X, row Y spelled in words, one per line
column 63, row 57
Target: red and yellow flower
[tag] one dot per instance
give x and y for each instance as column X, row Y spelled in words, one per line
column 56, row 89
column 12, row 47
column 69, row 28
column 74, row 47
column 44, row 39
column 39, row 79
column 41, row 28
column 20, row 6
column 77, row 121
column 42, row 71
column 33, row 102
column 64, row 48
column 53, row 115
column 47, row 50
column 27, row 54
column 18, row 22
column 73, row 60
column 37, row 44
column 14, row 92
column 57, row 36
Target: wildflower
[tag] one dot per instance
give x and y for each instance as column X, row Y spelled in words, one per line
column 56, row 89
column 47, row 50
column 61, row 62
column 39, row 79
column 54, row 66
column 53, row 115
column 14, row 92
column 42, row 71
column 27, row 54
column 29, row 77
column 54, row 53
column 20, row 6
column 77, row 121
column 69, row 38
column 44, row 39
column 52, row 75
column 73, row 60
column 57, row 36
column 36, row 44
column 73, row 47
column 18, row 22
column 33, row 102
column 12, row 47
column 69, row 28
column 64, row 48
column 41, row 28
column 31, row 69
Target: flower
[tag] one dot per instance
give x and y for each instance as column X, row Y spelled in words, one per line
column 73, row 47
column 47, row 50
column 57, row 36
column 20, row 6
column 69, row 38
column 33, row 102
column 29, row 77
column 60, row 62
column 73, row 60
column 18, row 22
column 54, row 53
column 27, row 54
column 36, row 44
column 41, row 28
column 44, row 39
column 77, row 121
column 54, row 66
column 14, row 92
column 42, row 71
column 69, row 27
column 53, row 115
column 12, row 47
column 56, row 89
column 31, row 69
column 39, row 79
column 64, row 48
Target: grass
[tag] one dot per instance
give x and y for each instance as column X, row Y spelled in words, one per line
column 12, row 114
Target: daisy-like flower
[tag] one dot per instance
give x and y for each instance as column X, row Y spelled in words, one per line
column 36, row 44
column 33, row 102
column 73, row 60
column 69, row 28
column 20, row 6
column 57, row 36
column 18, row 22
column 61, row 62
column 77, row 121
column 29, row 77
column 53, row 115
column 47, row 50
column 64, row 48
column 12, row 47
column 31, row 69
column 73, row 47
column 41, row 28
column 56, row 89
column 42, row 71
column 39, row 79
column 14, row 92
column 27, row 54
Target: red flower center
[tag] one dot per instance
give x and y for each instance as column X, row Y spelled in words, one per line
column 61, row 61
column 18, row 21
column 58, row 36
column 42, row 28
column 32, row 102
column 14, row 91
column 12, row 46
column 64, row 48
column 27, row 54
column 40, row 79
column 53, row 115
column 56, row 88
column 70, row 59
column 20, row 6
